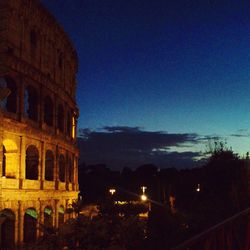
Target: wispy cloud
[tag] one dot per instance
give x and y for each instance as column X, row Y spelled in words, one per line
column 132, row 146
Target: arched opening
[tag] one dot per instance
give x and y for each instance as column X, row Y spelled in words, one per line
column 60, row 216
column 49, row 166
column 4, row 162
column 10, row 102
column 48, row 111
column 31, row 103
column 48, row 217
column 61, row 168
column 32, row 162
column 29, row 225
column 60, row 118
column 10, row 159
column 7, row 225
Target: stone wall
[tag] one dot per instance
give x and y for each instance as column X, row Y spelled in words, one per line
column 38, row 120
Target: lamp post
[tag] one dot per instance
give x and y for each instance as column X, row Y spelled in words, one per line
column 144, row 196
column 198, row 188
column 4, row 92
column 112, row 191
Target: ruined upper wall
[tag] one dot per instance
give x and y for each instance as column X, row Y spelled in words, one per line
column 31, row 34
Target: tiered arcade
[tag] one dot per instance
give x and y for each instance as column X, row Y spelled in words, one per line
column 38, row 152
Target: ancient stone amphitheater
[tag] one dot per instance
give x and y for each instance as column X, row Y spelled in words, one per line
column 38, row 115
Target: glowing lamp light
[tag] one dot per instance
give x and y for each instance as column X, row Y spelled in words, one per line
column 112, row 191
column 144, row 197
column 198, row 189
column 143, row 189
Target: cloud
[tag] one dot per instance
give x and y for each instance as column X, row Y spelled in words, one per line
column 121, row 146
column 239, row 135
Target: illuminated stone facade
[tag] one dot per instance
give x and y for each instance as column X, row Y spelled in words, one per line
column 38, row 153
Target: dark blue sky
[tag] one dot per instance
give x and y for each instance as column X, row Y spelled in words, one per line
column 176, row 66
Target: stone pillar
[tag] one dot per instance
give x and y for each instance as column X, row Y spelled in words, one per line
column 1, row 161
column 55, row 223
column 22, row 159
column 21, row 92
column 67, row 170
column 55, row 114
column 76, row 174
column 74, row 181
column 1, row 153
column 16, row 225
column 40, row 218
column 41, row 171
column 20, row 222
column 40, row 107
column 56, row 169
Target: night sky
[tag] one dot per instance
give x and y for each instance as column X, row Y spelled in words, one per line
column 157, row 78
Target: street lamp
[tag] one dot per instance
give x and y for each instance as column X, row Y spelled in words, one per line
column 143, row 189
column 198, row 189
column 112, row 191
column 144, row 196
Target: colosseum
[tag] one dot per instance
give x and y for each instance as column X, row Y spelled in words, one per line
column 38, row 116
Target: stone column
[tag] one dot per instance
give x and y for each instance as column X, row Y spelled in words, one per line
column 1, row 160
column 22, row 159
column 41, row 167
column 20, row 222
column 55, row 223
column 21, row 92
column 4, row 93
column 40, row 218
column 67, row 170
column 56, row 177
column 40, row 107
column 76, row 174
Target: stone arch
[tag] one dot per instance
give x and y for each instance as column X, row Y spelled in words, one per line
column 49, row 166
column 48, row 217
column 7, row 225
column 10, row 102
column 60, row 216
column 10, row 159
column 60, row 117
column 61, row 168
column 31, row 102
column 48, row 111
column 31, row 163
column 29, row 225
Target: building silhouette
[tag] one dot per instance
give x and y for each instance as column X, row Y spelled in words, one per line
column 38, row 116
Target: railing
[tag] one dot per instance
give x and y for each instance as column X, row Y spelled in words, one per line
column 231, row 234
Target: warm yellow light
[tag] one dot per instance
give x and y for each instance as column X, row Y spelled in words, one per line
column 112, row 191
column 73, row 127
column 198, row 189
column 144, row 197
column 143, row 189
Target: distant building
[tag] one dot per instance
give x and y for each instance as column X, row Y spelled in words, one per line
column 38, row 152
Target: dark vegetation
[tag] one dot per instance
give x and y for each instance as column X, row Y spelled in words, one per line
column 184, row 203
column 223, row 183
